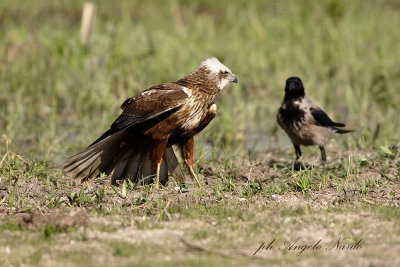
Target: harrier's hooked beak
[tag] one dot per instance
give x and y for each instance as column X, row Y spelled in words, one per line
column 233, row 79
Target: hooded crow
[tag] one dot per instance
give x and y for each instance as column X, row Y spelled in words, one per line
column 305, row 122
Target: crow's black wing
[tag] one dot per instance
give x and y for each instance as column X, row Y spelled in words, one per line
column 323, row 119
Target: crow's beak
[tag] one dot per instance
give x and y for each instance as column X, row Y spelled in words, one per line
column 291, row 86
column 234, row 80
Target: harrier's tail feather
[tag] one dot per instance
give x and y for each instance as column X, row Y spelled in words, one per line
column 139, row 165
column 121, row 166
column 163, row 172
column 173, row 165
column 89, row 170
column 127, row 162
column 82, row 166
column 73, row 162
column 132, row 169
column 145, row 166
column 95, row 159
column 133, row 164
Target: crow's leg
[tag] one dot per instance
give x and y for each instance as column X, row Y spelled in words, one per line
column 298, row 165
column 323, row 155
column 297, row 151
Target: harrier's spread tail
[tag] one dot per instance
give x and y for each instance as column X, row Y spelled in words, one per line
column 97, row 158
column 138, row 166
column 107, row 156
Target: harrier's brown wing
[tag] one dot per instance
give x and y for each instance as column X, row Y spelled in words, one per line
column 147, row 105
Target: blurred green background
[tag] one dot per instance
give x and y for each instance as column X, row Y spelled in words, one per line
column 57, row 96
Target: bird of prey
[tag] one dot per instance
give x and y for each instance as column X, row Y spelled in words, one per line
column 305, row 122
column 139, row 142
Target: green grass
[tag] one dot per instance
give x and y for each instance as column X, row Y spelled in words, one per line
column 57, row 96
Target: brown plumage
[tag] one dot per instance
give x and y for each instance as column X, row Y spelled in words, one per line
column 139, row 142
column 304, row 121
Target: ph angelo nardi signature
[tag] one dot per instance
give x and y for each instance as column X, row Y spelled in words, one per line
column 300, row 244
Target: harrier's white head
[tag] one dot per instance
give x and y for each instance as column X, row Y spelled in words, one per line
column 223, row 74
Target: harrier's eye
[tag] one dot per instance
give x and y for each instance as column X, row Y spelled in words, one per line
column 226, row 73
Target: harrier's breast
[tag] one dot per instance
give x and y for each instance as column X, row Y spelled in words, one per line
column 194, row 111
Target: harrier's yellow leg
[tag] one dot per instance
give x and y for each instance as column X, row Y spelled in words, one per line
column 156, row 159
column 187, row 153
column 194, row 176
column 158, row 176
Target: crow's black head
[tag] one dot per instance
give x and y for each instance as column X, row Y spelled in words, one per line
column 294, row 88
